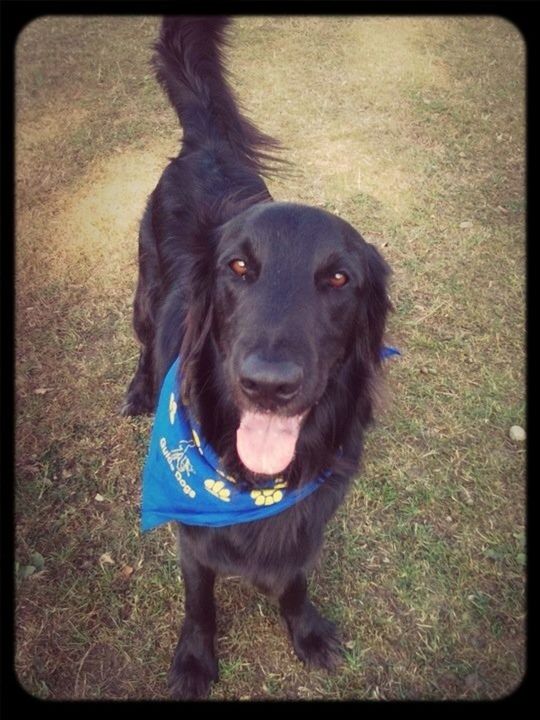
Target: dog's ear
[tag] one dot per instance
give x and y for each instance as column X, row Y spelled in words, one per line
column 374, row 305
column 197, row 327
column 359, row 370
column 348, row 404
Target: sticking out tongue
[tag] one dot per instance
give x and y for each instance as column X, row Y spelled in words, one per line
column 266, row 442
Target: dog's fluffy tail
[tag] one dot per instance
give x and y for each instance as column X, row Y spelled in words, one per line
column 189, row 65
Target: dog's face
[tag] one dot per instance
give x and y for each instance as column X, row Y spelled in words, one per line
column 295, row 296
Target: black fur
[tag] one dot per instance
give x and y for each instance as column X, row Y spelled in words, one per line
column 210, row 207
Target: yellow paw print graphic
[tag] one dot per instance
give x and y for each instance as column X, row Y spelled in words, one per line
column 269, row 496
column 173, row 407
column 217, row 488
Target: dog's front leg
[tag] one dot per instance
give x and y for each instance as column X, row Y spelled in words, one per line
column 194, row 666
column 314, row 638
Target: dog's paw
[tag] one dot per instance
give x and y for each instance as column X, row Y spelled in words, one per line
column 135, row 404
column 190, row 677
column 319, row 646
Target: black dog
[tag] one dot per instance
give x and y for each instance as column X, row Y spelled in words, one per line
column 278, row 312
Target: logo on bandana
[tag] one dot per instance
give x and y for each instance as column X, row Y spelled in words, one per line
column 179, row 462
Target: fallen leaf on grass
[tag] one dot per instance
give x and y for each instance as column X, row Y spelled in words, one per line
column 106, row 558
column 41, row 391
column 466, row 496
column 126, row 572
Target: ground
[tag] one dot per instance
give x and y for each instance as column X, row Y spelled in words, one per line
column 412, row 129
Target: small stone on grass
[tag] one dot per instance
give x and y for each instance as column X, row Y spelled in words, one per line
column 517, row 433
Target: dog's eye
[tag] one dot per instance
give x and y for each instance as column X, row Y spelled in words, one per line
column 338, row 280
column 239, row 267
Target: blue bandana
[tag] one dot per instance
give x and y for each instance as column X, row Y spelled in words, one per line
column 387, row 352
column 182, row 480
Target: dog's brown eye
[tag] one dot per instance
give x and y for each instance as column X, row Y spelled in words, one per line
column 239, row 267
column 338, row 280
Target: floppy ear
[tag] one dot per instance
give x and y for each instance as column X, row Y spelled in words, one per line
column 348, row 403
column 375, row 305
column 197, row 326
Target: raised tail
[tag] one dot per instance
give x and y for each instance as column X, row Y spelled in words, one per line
column 189, row 66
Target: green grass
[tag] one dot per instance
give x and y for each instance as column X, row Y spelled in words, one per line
column 408, row 128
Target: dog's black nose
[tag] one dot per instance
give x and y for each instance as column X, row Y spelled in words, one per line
column 264, row 381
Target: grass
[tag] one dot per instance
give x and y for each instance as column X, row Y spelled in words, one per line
column 413, row 130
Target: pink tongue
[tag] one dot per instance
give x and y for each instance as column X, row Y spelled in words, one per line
column 266, row 442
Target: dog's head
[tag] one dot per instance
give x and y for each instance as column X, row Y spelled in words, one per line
column 296, row 302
